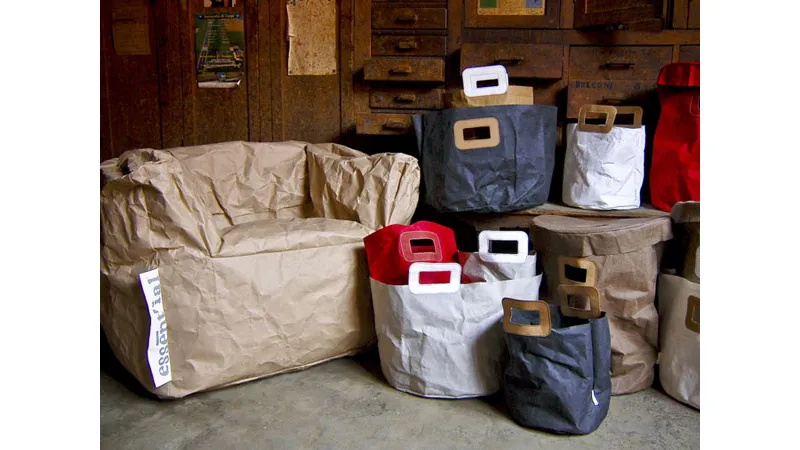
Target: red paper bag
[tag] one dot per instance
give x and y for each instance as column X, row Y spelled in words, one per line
column 675, row 171
column 391, row 251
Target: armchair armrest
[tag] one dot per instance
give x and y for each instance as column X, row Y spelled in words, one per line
column 374, row 190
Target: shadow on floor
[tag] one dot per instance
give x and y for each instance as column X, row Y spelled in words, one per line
column 110, row 365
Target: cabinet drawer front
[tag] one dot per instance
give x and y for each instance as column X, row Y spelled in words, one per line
column 606, row 92
column 520, row 60
column 404, row 69
column 618, row 63
column 384, row 124
column 388, row 98
column 409, row 18
column 690, row 53
column 409, row 45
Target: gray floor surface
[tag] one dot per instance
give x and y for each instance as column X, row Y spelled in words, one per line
column 346, row 404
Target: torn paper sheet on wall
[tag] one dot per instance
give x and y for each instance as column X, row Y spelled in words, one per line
column 312, row 37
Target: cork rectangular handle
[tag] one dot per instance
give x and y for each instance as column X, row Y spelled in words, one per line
column 637, row 112
column 565, row 291
column 610, row 113
column 542, row 329
column 692, row 310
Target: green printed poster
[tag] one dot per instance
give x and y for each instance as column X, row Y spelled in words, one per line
column 219, row 46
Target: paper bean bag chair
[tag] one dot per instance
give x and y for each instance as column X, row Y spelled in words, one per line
column 252, row 255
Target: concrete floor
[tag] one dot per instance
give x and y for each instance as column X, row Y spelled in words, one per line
column 346, row 404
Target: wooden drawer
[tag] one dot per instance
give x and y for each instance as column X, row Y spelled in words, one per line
column 690, row 53
column 384, row 124
column 404, row 69
column 409, row 18
column 520, row 60
column 409, row 45
column 607, row 92
column 617, row 63
column 402, row 98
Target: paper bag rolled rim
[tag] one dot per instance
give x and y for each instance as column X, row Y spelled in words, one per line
column 515, row 95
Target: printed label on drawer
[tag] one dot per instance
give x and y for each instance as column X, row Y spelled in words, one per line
column 157, row 347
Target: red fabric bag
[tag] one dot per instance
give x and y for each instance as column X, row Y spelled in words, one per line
column 675, row 170
column 391, row 251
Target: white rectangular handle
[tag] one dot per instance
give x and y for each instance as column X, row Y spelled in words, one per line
column 484, row 248
column 473, row 75
column 437, row 288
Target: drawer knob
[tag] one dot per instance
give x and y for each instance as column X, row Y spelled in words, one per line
column 405, row 46
column 407, row 18
column 405, row 98
column 395, row 125
column 401, row 70
column 612, row 101
column 617, row 65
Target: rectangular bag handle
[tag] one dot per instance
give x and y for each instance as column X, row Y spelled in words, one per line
column 487, row 236
column 637, row 112
column 692, row 305
column 471, row 77
column 541, row 330
column 434, row 288
column 609, row 111
column 565, row 290
column 463, row 133
column 410, row 255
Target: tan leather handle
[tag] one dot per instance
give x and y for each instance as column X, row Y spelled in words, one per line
column 617, row 65
column 509, row 61
column 564, row 291
column 401, row 70
column 406, row 46
column 609, row 111
column 637, row 112
column 544, row 327
column 395, row 125
column 406, row 18
column 405, row 98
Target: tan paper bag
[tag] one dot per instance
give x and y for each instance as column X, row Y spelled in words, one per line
column 617, row 261
column 516, row 95
column 679, row 336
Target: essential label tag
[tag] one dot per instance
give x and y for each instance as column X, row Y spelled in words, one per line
column 157, row 347
column 594, row 399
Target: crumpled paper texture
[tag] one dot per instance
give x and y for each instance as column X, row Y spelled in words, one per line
column 604, row 171
column 679, row 365
column 253, row 283
column 627, row 253
column 445, row 345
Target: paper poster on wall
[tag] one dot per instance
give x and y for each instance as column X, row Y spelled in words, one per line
column 219, row 46
column 130, row 30
column 511, row 7
column 219, row 3
column 312, row 37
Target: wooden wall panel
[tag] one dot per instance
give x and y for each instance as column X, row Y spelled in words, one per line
column 131, row 82
column 305, row 108
column 213, row 115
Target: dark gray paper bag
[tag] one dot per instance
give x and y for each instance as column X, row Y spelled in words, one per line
column 558, row 377
column 487, row 159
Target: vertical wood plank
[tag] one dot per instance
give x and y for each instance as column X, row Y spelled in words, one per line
column 106, row 149
column 265, row 72
column 277, row 36
column 567, row 13
column 676, row 53
column 362, row 42
column 169, row 68
column 252, row 31
column 680, row 14
column 346, row 49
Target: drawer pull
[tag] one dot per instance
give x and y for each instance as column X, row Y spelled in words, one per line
column 509, row 61
column 407, row 18
column 612, row 101
column 405, row 98
column 401, row 70
column 617, row 65
column 405, row 46
column 394, row 125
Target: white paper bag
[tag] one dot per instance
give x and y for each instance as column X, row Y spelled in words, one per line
column 679, row 338
column 604, row 164
column 446, row 345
